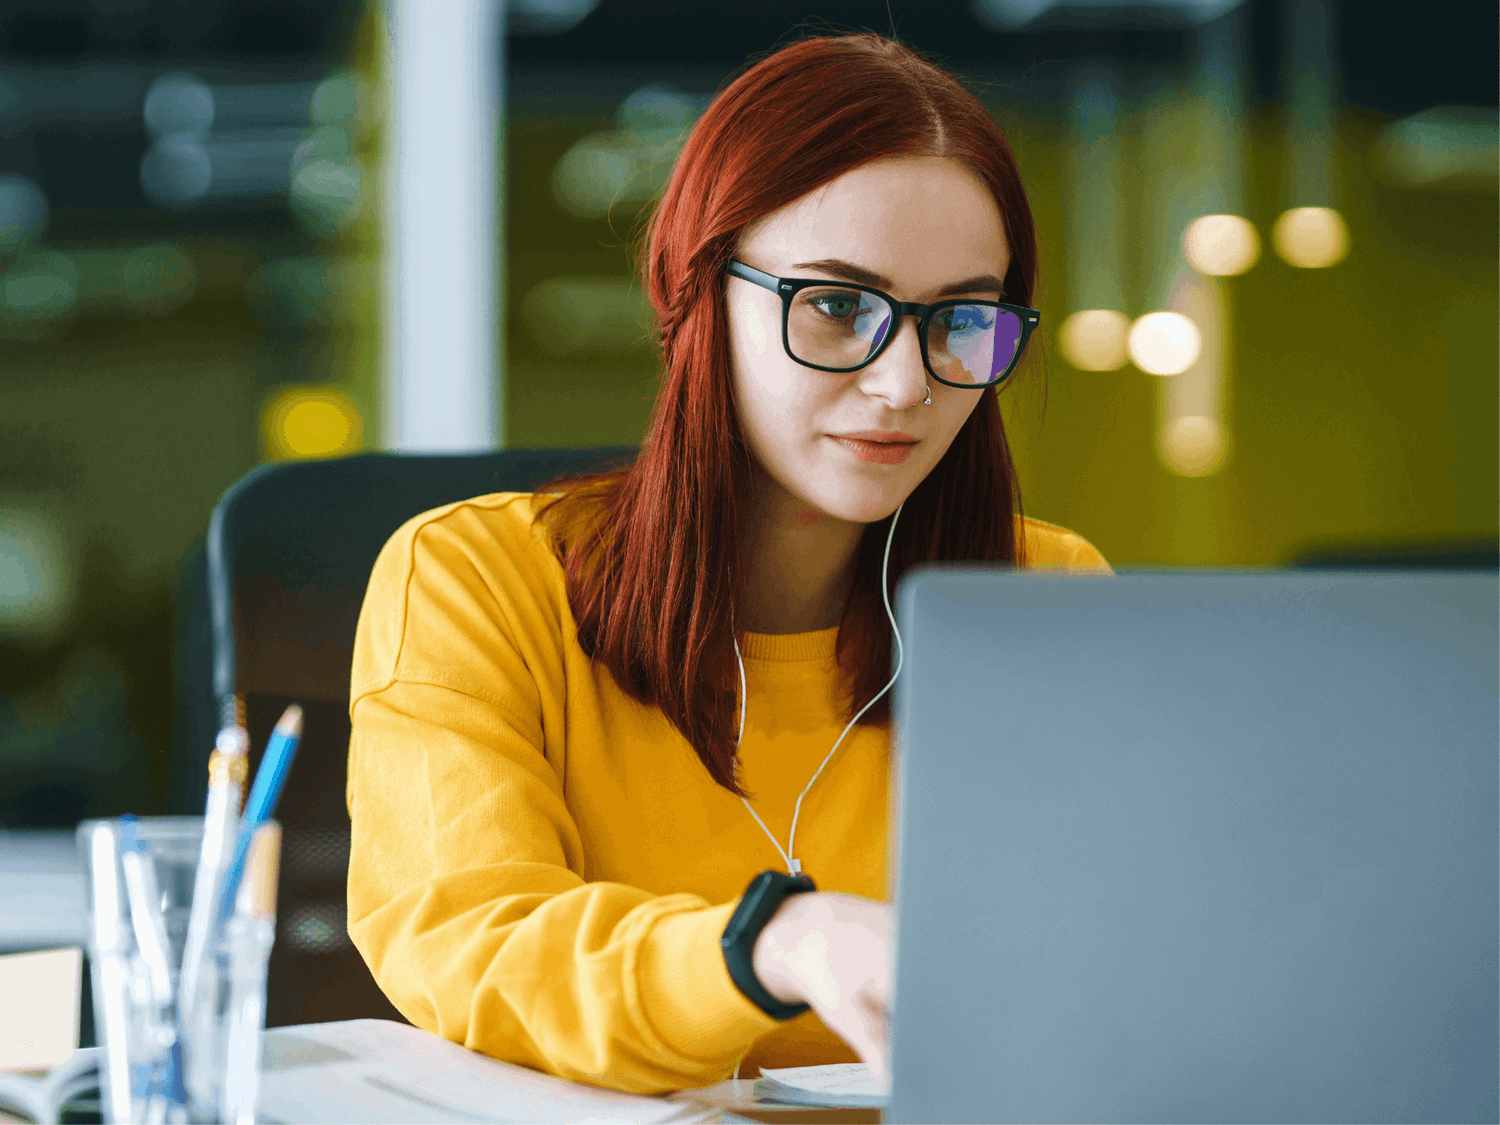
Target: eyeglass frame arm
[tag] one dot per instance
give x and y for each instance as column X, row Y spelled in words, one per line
column 788, row 287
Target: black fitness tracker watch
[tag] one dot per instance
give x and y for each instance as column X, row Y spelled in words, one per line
column 764, row 894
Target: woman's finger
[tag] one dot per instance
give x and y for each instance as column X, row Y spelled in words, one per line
column 865, row 1033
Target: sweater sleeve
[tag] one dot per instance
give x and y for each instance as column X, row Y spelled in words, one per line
column 467, row 878
column 1049, row 547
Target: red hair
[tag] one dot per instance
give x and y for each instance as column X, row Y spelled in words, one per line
column 652, row 553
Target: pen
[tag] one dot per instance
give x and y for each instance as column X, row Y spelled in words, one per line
column 111, row 982
column 264, row 793
column 226, row 778
column 145, row 908
column 150, row 928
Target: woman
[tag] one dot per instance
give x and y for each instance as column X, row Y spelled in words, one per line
column 581, row 726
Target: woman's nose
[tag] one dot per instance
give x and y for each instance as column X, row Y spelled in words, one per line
column 898, row 375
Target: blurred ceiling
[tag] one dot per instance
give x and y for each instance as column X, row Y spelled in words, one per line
column 72, row 29
column 73, row 73
column 1393, row 58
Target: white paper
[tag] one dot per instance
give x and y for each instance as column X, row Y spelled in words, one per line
column 39, row 1019
column 847, row 1085
column 382, row 1072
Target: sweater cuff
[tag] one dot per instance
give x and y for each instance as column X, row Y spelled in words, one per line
column 686, row 990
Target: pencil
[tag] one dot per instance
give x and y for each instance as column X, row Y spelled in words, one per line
column 270, row 777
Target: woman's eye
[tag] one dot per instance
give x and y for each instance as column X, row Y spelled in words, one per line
column 840, row 306
column 967, row 319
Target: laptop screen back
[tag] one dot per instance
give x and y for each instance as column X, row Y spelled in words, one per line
column 1180, row 847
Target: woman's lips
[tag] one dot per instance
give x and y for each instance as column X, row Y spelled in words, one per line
column 878, row 452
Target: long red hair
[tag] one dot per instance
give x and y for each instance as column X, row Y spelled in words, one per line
column 652, row 553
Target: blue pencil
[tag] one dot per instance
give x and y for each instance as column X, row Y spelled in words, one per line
column 264, row 793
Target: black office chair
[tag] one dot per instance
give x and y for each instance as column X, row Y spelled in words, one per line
column 1481, row 553
column 268, row 613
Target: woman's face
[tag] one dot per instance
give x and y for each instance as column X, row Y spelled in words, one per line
column 853, row 446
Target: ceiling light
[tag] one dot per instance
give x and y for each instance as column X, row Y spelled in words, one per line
column 1095, row 339
column 1311, row 237
column 1164, row 343
column 1221, row 245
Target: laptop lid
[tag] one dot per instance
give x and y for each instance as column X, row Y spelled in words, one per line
column 1197, row 847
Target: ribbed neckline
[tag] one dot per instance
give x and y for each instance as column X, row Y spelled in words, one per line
column 820, row 645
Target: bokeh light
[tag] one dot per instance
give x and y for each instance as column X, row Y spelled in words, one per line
column 1450, row 147
column 292, row 294
column 1311, row 237
column 1221, row 245
column 23, row 212
column 584, row 315
column 325, row 194
column 546, row 17
column 327, row 142
column 176, row 171
column 178, row 103
column 1095, row 339
column 1193, row 446
column 342, row 99
column 309, row 422
column 621, row 168
column 38, row 297
column 38, row 575
column 158, row 279
column 629, row 165
column 1164, row 343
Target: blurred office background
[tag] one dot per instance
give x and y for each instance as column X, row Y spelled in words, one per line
column 1269, row 285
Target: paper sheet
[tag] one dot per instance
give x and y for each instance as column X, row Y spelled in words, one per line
column 39, row 1019
column 837, row 1084
column 378, row 1071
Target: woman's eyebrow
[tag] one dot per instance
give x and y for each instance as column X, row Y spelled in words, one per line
column 861, row 276
column 982, row 284
column 848, row 271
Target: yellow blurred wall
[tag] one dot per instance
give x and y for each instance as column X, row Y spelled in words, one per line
column 1362, row 402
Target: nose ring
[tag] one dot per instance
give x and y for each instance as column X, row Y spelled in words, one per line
column 928, row 400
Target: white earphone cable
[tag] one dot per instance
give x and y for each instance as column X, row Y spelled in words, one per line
column 794, row 866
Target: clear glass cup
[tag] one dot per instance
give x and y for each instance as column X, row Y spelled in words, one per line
column 165, row 1058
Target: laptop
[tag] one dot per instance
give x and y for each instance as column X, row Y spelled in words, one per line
column 1197, row 847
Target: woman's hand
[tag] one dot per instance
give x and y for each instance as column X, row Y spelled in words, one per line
column 832, row 951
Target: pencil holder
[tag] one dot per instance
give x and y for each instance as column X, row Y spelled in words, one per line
column 170, row 1055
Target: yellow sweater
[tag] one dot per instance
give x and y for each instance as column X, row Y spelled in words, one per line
column 541, row 867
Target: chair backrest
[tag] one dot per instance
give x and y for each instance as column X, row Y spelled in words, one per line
column 1482, row 553
column 274, row 601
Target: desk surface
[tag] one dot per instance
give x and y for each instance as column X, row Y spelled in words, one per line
column 42, row 897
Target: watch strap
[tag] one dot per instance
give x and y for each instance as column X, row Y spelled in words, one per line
column 761, row 899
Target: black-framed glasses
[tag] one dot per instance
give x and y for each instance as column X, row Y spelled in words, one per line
column 840, row 326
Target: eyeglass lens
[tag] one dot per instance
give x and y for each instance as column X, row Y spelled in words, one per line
column 841, row 328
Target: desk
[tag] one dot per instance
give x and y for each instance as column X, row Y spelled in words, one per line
column 42, row 898
column 43, row 904
column 373, row 1070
